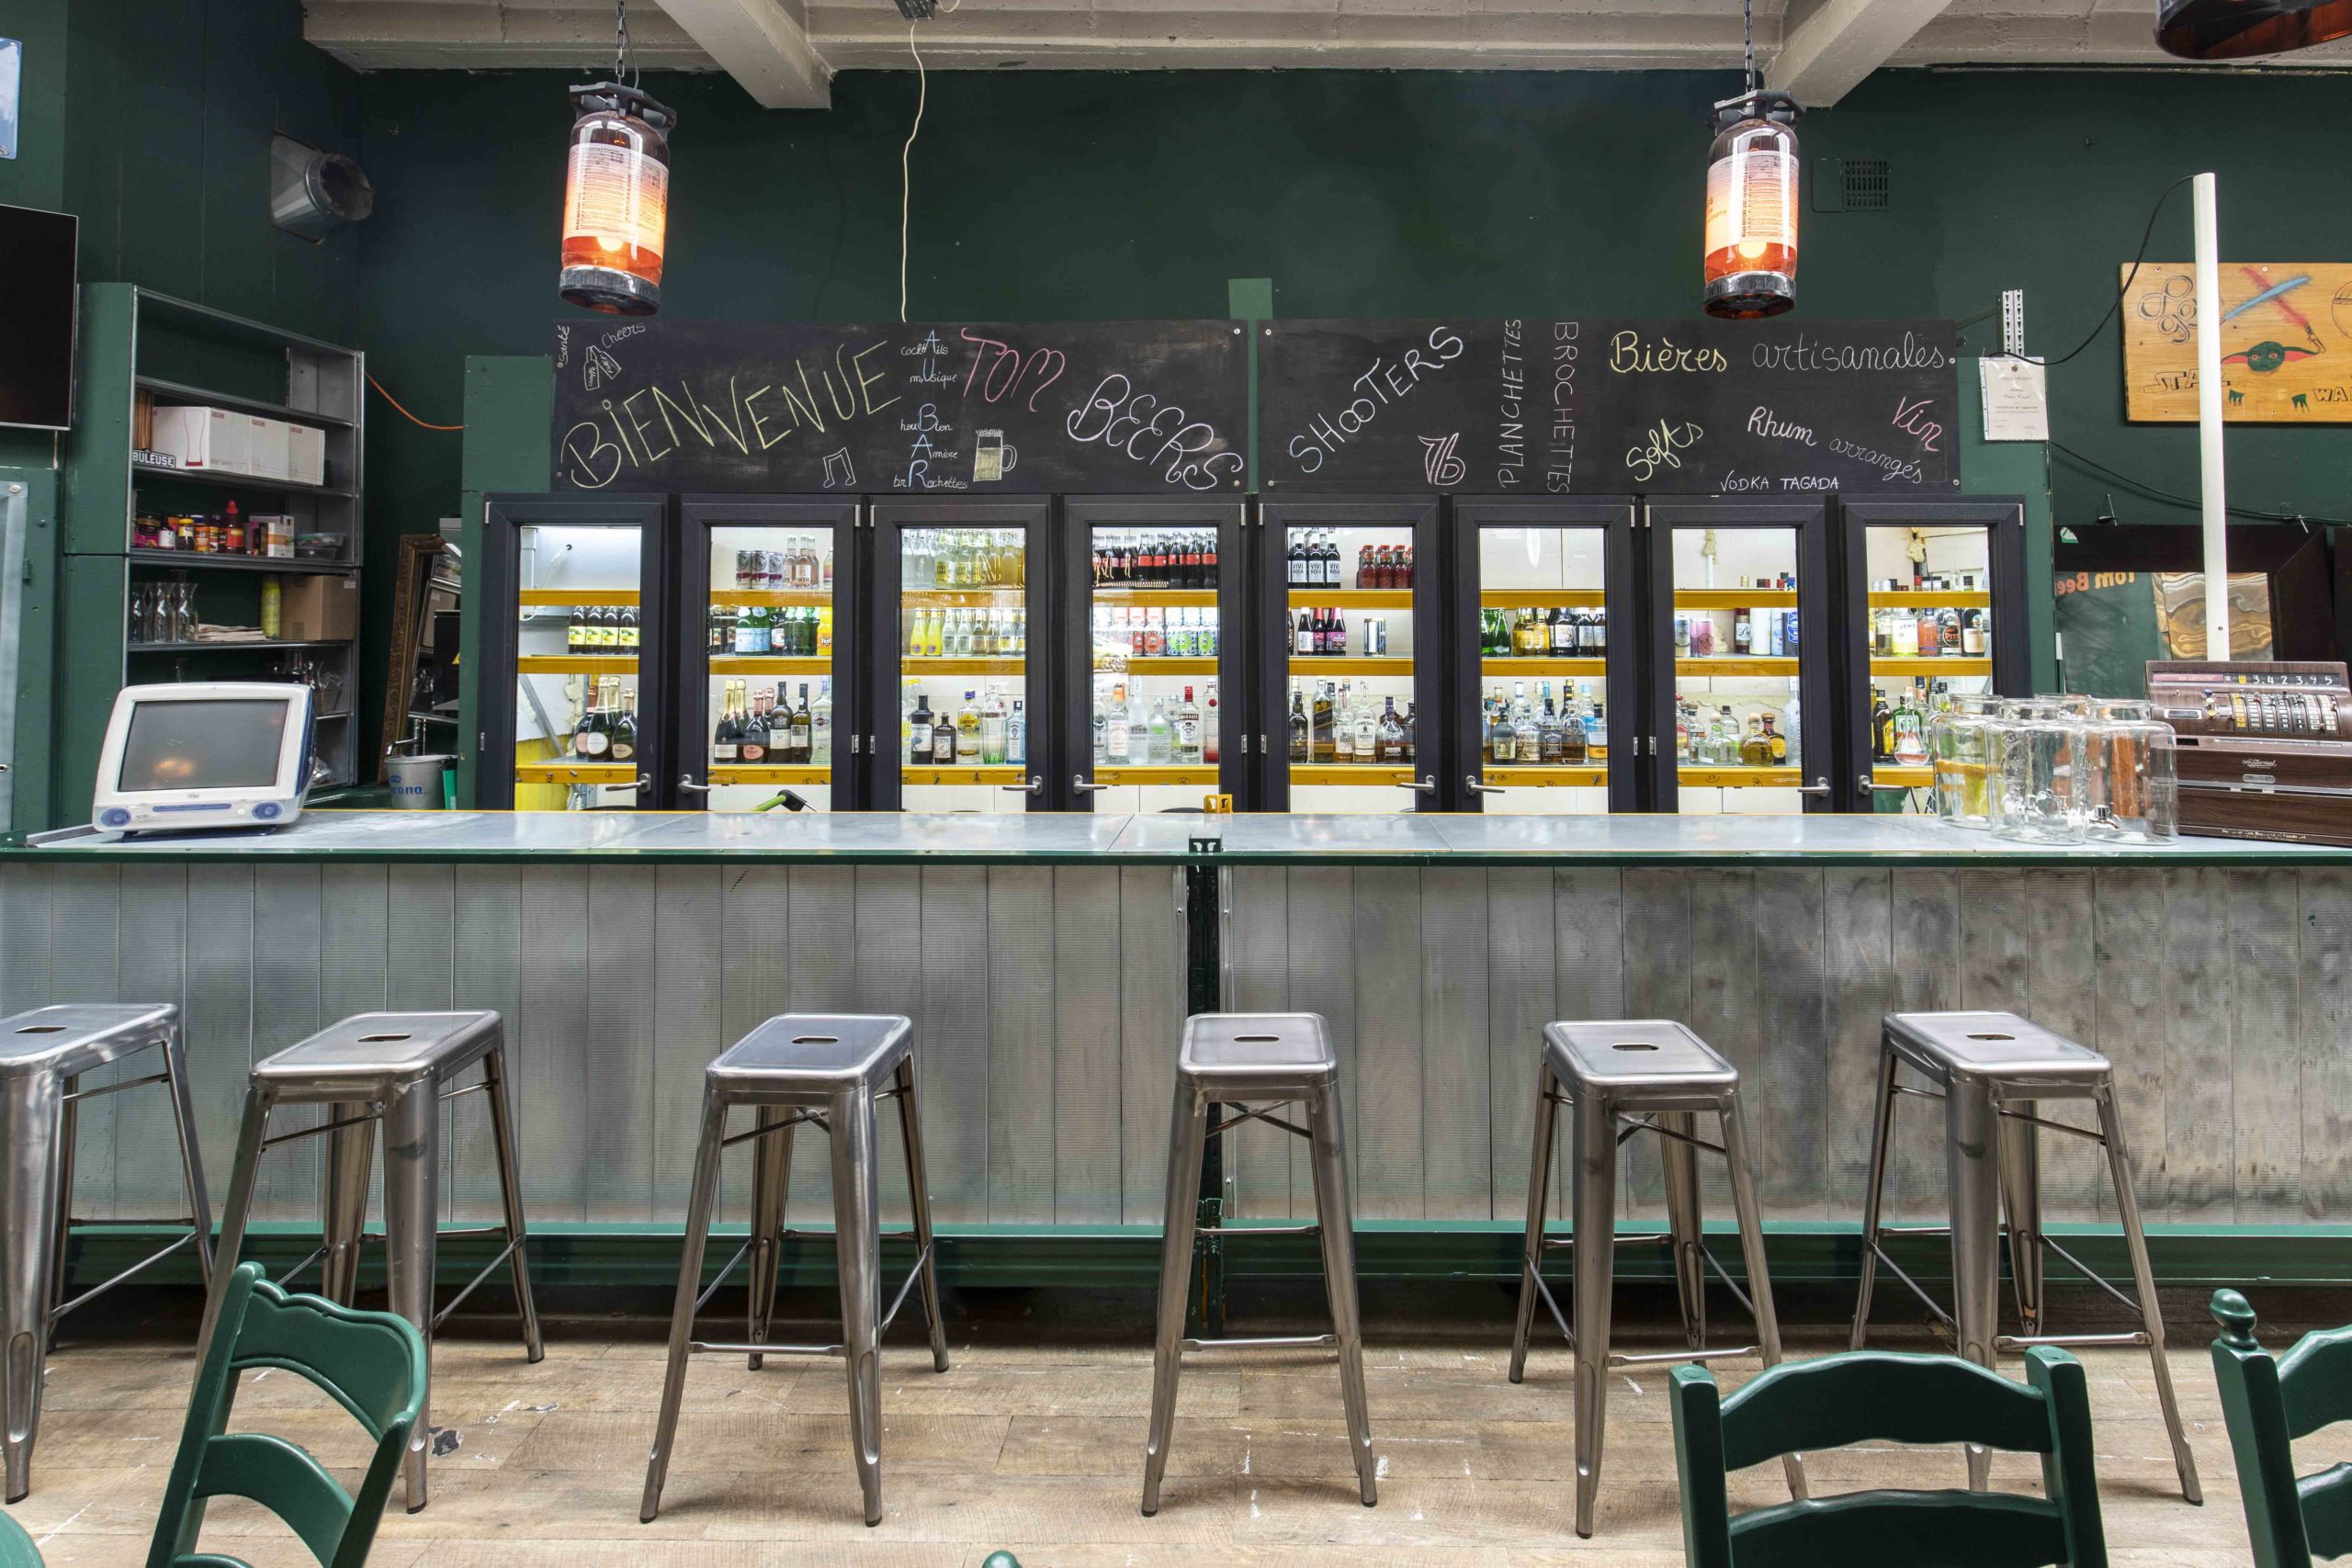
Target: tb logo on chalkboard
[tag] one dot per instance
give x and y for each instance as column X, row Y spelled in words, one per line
column 1442, row 468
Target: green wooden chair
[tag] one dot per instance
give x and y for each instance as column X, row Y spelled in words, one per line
column 16, row 1548
column 371, row 1363
column 1873, row 1395
column 2268, row 1402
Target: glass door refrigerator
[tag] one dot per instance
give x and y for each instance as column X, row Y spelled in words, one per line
column 1152, row 681
column 575, row 640
column 1350, row 670
column 764, row 654
column 962, row 591
column 1545, row 710
column 1741, row 608
column 1934, row 595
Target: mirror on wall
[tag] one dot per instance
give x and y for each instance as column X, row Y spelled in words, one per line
column 421, row 685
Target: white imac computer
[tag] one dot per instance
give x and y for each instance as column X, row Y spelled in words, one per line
column 204, row 754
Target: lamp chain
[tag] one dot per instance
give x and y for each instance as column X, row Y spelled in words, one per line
column 1748, row 14
column 622, row 61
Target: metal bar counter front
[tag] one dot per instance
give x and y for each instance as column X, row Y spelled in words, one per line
column 1044, row 960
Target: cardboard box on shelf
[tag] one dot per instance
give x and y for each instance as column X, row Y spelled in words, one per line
column 267, row 446
column 305, row 459
column 276, row 531
column 213, row 440
column 319, row 609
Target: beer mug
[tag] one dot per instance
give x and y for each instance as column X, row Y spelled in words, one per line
column 991, row 458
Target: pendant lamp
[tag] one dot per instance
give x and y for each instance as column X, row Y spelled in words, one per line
column 616, row 191
column 1751, row 244
column 2233, row 29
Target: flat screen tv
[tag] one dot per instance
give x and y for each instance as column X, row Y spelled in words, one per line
column 38, row 322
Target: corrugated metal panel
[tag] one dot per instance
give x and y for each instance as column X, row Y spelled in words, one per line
column 1458, row 1062
column 218, row 1020
column 2130, row 933
column 952, row 1027
column 85, row 906
column 486, row 963
column 1152, row 1024
column 688, row 1029
column 555, row 1063
column 1023, row 1121
column 2062, row 968
column 1322, row 979
column 1791, row 1061
column 1392, row 1045
column 2323, row 993
column 1926, row 979
column 2263, row 1052
column 1086, row 1137
column 617, row 1045
column 1858, row 950
column 1258, row 1157
column 829, row 931
column 755, row 982
column 2200, row 1161
column 1521, row 961
column 151, row 967
column 290, row 942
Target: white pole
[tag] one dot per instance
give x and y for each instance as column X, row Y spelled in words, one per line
column 2209, row 418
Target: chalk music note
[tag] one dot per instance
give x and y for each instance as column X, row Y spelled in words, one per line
column 839, row 472
column 1438, row 461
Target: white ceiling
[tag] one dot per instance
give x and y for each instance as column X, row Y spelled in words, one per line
column 783, row 51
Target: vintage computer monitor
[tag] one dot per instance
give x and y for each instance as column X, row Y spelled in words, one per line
column 204, row 754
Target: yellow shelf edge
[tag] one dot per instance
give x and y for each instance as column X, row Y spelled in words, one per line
column 1353, row 598
column 574, row 664
column 1911, row 664
column 1541, row 598
column 1157, row 774
column 575, row 772
column 1492, row 665
column 985, row 773
column 1715, row 777
column 768, row 664
column 1930, row 598
column 1333, row 664
column 1770, row 664
column 769, row 772
column 1734, row 598
column 600, row 597
column 1504, row 774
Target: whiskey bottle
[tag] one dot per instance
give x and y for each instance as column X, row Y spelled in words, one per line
column 1392, row 736
column 919, row 733
column 1298, row 742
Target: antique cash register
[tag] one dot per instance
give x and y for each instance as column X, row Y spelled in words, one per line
column 2264, row 746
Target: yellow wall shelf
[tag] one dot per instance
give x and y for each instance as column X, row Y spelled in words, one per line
column 1543, row 666
column 1539, row 598
column 1734, row 598
column 1736, row 666
column 963, row 775
column 574, row 664
column 915, row 668
column 1351, row 598
column 1739, row 778
column 1375, row 774
column 1203, row 775
column 768, row 773
column 1939, row 665
column 767, row 664
column 1122, row 594
column 564, row 596
column 575, row 772
column 1504, row 776
column 1926, row 599
column 1332, row 664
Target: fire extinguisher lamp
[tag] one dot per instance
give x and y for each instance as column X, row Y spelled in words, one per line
column 1751, row 244
column 615, row 200
column 2234, row 29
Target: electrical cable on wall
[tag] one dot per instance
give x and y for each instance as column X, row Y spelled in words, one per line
column 404, row 413
column 2122, row 292
column 906, row 154
column 2169, row 498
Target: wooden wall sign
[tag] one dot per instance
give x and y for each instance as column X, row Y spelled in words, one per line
column 2286, row 342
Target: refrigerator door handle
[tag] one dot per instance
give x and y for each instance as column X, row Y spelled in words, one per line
column 1078, row 782
column 1037, row 786
column 1818, row 786
column 686, row 783
column 1428, row 784
column 1470, row 782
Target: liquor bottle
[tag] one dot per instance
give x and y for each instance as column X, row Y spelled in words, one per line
column 624, row 738
column 1755, row 751
column 1117, row 732
column 1208, row 560
column 968, row 731
column 1928, row 633
column 821, row 727
column 1778, row 742
column 1573, row 734
column 919, row 733
column 1294, row 560
column 992, row 730
column 1392, row 736
column 1600, row 633
column 1016, row 735
column 1344, row 732
column 803, row 730
column 1948, row 631
column 1298, row 744
column 574, row 634
column 1910, row 733
column 1322, row 715
column 1743, row 634
column 726, row 737
column 757, row 738
column 1726, row 735
column 1188, row 730
column 628, row 630
column 1702, row 636
column 1502, row 739
column 1366, row 725
column 1304, row 643
column 1208, row 726
column 1159, row 738
column 1903, row 635
column 1548, row 742
column 1972, row 634
column 590, row 738
column 1408, row 731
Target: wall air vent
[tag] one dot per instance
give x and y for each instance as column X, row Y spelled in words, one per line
column 1852, row 185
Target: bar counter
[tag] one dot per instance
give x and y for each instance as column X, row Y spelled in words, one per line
column 1044, row 960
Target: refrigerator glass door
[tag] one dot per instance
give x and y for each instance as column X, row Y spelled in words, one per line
column 582, row 723
column 773, row 650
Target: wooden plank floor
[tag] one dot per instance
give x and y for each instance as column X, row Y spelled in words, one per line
column 1034, row 1441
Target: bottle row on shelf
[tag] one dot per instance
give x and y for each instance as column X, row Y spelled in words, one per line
column 1339, row 726
column 1313, row 560
column 1765, row 634
column 798, row 565
column 1520, row 730
column 767, row 728
column 1718, row 739
column 794, row 631
column 966, row 633
column 1148, row 632
column 1899, row 728
column 1929, row 633
column 606, row 728
column 1156, row 560
column 1561, row 632
column 963, row 557
column 602, row 629
column 1165, row 734
column 985, row 731
column 1321, row 632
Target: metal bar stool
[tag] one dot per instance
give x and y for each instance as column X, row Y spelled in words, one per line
column 1624, row 1076
column 392, row 1067
column 829, row 1069
column 43, row 1054
column 1993, row 1069
column 1258, row 1061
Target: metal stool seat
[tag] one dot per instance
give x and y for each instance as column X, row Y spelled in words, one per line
column 1265, row 1060
column 393, row 1068
column 1622, row 1077
column 43, row 1054
column 1993, row 1069
column 830, row 1070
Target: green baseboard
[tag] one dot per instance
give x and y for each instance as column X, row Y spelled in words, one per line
column 1127, row 1256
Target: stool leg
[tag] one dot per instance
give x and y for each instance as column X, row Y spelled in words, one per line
column 510, row 1194
column 1539, row 1182
column 1874, row 1195
column 411, row 1240
column 236, row 1209
column 700, row 1198
column 200, row 1202
column 1335, row 1219
column 60, row 1233
column 771, row 1186
column 910, row 1132
column 351, row 1156
column 34, row 1111
column 2021, row 1200
column 857, row 1243
column 1752, row 1251
column 1593, row 1146
column 1187, row 1135
column 2144, row 1285
column 1684, row 1236
column 1971, row 1167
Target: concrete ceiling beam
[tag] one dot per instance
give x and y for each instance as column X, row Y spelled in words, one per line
column 1825, row 52
column 763, row 44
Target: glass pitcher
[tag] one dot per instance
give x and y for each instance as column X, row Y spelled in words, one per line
column 1960, row 743
column 2133, row 795
column 2041, row 749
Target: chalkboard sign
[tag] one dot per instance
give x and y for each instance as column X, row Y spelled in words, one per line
column 919, row 408
column 1535, row 407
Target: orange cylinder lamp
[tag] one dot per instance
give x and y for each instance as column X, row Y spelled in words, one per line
column 617, row 200
column 1751, row 245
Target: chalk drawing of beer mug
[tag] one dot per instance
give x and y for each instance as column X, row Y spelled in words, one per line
column 991, row 458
